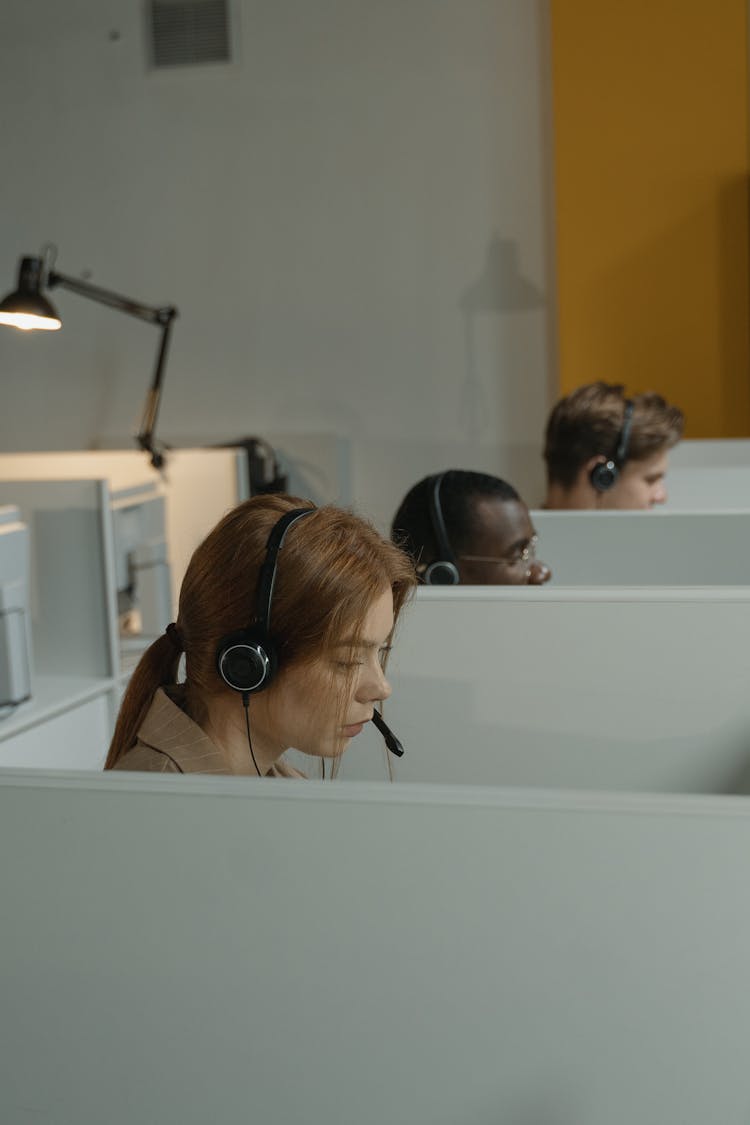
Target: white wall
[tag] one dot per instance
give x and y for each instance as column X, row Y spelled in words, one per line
column 321, row 212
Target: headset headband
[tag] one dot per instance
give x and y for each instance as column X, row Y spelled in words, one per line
column 621, row 452
column 438, row 523
column 267, row 578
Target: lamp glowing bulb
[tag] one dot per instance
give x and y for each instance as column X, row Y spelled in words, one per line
column 27, row 322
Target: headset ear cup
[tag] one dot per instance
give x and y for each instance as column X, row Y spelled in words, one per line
column 246, row 661
column 604, row 476
column 441, row 573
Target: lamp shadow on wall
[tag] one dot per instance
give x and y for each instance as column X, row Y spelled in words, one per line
column 500, row 289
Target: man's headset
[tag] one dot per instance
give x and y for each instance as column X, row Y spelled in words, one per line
column 605, row 474
column 247, row 659
column 444, row 570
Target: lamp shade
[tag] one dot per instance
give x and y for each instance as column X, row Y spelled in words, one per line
column 27, row 308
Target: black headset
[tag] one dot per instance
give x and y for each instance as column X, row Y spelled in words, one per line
column 247, row 659
column 444, row 571
column 605, row 474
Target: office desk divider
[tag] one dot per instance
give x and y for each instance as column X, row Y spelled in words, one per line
column 654, row 548
column 711, row 488
column 84, row 511
column 221, row 950
column 714, row 453
column 199, row 486
column 709, row 475
column 603, row 689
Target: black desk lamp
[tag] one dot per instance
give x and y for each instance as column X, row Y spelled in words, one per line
column 27, row 308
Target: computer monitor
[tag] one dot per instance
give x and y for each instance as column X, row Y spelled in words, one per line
column 15, row 630
column 141, row 561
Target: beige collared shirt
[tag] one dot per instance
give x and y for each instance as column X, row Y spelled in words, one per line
column 168, row 741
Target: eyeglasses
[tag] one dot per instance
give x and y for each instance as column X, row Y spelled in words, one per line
column 521, row 557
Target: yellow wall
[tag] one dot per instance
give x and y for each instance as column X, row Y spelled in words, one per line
column 651, row 167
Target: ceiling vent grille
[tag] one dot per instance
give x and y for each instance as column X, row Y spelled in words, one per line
column 189, row 32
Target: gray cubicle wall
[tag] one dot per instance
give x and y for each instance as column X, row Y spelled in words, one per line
column 655, row 548
column 199, row 486
column 709, row 453
column 709, row 475
column 287, row 952
column 710, row 488
column 72, row 589
column 620, row 689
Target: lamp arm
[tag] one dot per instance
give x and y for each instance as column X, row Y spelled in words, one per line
column 162, row 316
column 145, row 435
column 114, row 300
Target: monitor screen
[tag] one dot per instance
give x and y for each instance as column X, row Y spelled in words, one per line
column 141, row 561
column 15, row 632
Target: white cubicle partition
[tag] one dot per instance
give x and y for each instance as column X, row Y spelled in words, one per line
column 654, row 548
column 712, row 488
column 15, row 625
column 221, row 950
column 73, row 609
column 96, row 549
column 709, row 475
column 199, row 486
column 706, row 453
column 586, row 689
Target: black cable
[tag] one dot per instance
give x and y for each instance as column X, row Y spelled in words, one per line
column 246, row 705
